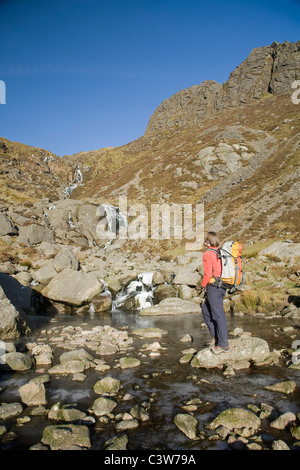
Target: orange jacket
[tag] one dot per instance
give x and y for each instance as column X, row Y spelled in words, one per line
column 212, row 266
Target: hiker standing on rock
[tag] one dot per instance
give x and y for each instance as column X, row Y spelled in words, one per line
column 212, row 309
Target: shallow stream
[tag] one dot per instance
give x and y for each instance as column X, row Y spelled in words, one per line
column 163, row 380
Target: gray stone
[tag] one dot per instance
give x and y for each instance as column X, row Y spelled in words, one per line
column 164, row 291
column 18, row 361
column 6, row 225
column 65, row 259
column 128, row 362
column 72, row 287
column 13, row 320
column 45, row 274
column 282, row 387
column 241, row 349
column 10, row 410
column 34, row 234
column 172, row 306
column 187, row 424
column 103, row 406
column 283, row 420
column 33, row 394
column 63, row 437
column 236, row 418
column 108, row 385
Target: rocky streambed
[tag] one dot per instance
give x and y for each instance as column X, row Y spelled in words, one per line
column 120, row 380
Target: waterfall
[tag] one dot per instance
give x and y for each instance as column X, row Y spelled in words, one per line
column 114, row 220
column 138, row 293
column 78, row 179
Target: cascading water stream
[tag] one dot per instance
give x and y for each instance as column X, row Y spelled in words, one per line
column 140, row 292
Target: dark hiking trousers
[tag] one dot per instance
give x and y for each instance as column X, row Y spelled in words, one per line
column 214, row 316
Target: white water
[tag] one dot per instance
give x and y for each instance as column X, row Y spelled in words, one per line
column 141, row 291
column 69, row 189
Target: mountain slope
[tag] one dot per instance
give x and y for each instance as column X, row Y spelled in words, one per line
column 233, row 147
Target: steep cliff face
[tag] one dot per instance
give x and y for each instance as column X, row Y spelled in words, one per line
column 269, row 69
column 233, row 147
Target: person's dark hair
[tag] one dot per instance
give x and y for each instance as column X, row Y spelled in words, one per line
column 213, row 239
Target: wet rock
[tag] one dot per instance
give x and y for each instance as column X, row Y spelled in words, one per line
column 72, row 367
column 80, row 355
column 18, row 361
column 282, row 387
column 129, row 362
column 113, row 284
column 103, row 406
column 149, row 332
column 164, row 291
column 65, row 413
column 10, row 410
column 117, row 443
column 127, row 424
column 236, row 418
column 63, row 437
column 296, row 432
column 33, row 394
column 283, row 420
column 102, row 302
column 244, row 348
column 72, row 287
column 13, row 320
column 108, row 385
column 280, row 445
column 42, row 353
column 172, row 306
column 138, row 412
column 187, row 424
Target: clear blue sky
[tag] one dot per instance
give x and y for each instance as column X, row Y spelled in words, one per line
column 86, row 74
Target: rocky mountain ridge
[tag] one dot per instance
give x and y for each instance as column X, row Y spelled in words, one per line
column 233, row 147
column 269, row 69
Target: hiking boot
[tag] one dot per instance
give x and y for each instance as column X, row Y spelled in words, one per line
column 211, row 343
column 220, row 350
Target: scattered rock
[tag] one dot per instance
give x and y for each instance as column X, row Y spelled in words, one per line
column 243, row 348
column 103, row 406
column 10, row 410
column 108, row 385
column 60, row 437
column 128, row 362
column 73, row 287
column 187, row 424
column 236, row 418
column 172, row 306
column 283, row 420
column 282, row 387
column 18, row 361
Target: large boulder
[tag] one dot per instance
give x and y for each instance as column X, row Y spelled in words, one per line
column 63, row 437
column 172, row 306
column 6, row 226
column 73, row 287
column 283, row 250
column 244, row 348
column 65, row 259
column 34, row 234
column 236, row 419
column 13, row 320
column 186, row 276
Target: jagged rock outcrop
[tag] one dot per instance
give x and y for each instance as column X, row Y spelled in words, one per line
column 268, row 69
